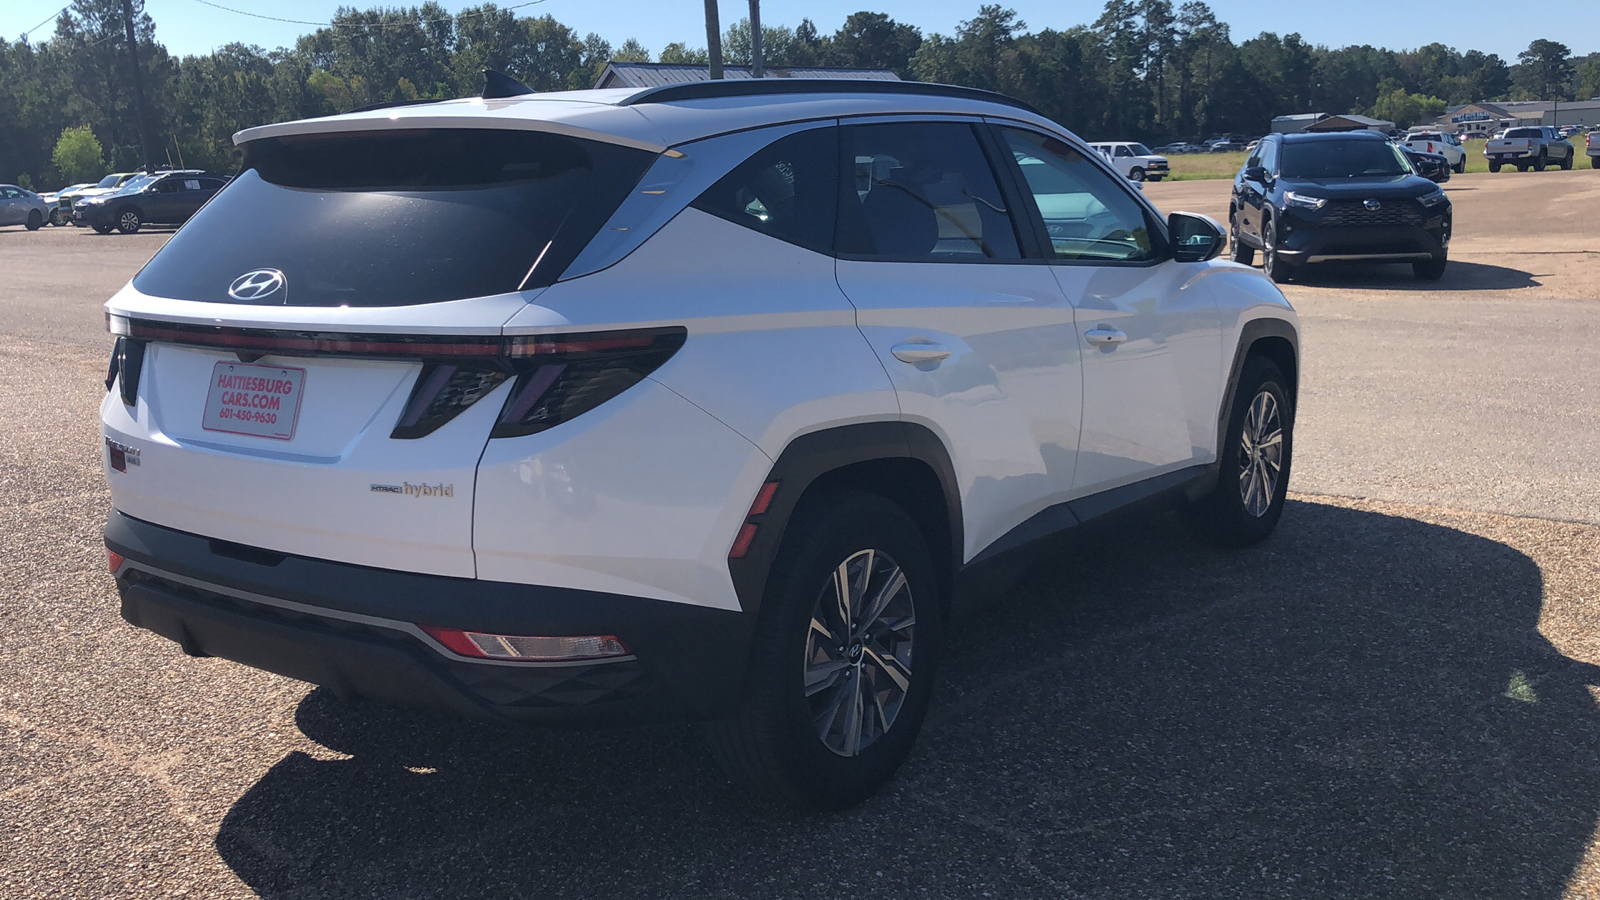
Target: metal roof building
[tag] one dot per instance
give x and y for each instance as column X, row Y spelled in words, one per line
column 637, row 75
column 1349, row 122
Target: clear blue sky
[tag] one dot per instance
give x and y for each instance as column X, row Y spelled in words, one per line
column 186, row 26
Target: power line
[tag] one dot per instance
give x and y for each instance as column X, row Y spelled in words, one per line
column 53, row 17
column 363, row 24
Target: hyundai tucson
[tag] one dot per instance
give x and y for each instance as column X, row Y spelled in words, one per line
column 706, row 401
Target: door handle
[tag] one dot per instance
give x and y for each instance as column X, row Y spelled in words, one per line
column 918, row 353
column 1104, row 336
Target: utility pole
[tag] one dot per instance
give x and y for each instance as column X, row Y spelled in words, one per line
column 756, row 69
column 713, row 39
column 138, row 81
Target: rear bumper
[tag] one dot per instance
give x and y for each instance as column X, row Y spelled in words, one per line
column 353, row 629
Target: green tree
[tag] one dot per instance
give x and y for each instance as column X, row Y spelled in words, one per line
column 78, row 155
column 870, row 40
column 678, row 52
column 1406, row 109
column 1545, row 70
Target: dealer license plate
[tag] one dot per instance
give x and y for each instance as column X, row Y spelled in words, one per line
column 262, row 401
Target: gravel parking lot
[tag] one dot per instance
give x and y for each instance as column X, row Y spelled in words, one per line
column 1394, row 697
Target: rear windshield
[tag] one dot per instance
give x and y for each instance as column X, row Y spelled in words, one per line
column 398, row 218
column 1341, row 159
column 1524, row 133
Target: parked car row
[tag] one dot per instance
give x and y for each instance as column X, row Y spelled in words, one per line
column 122, row 201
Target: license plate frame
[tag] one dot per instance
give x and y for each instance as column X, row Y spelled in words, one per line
column 254, row 400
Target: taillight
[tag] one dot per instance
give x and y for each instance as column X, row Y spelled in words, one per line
column 557, row 377
column 563, row 377
column 442, row 392
column 127, row 362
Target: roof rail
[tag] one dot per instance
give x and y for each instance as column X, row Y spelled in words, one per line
column 757, row 87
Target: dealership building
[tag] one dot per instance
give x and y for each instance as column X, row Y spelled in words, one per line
column 1492, row 117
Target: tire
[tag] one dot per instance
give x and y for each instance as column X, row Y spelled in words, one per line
column 1136, row 175
column 1594, row 162
column 1237, row 251
column 35, row 220
column 1461, row 167
column 1432, row 270
column 128, row 220
column 58, row 218
column 1494, row 166
column 102, row 229
column 1566, row 163
column 1541, row 162
column 1276, row 267
column 771, row 746
column 1227, row 516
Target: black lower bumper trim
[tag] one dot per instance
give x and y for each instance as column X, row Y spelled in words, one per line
column 688, row 662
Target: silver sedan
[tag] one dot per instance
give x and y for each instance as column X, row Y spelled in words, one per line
column 19, row 206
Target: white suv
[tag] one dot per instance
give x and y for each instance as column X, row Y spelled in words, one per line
column 708, row 400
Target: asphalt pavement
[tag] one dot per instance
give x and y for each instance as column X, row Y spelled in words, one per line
column 1394, row 697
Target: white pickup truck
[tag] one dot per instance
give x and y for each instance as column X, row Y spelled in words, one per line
column 1529, row 147
column 1443, row 143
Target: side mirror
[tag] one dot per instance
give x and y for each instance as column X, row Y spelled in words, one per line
column 1257, row 174
column 1195, row 238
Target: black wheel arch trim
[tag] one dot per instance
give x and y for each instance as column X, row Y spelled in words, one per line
column 1250, row 334
column 812, row 457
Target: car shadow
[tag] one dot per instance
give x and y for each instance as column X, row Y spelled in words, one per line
column 1361, row 707
column 1458, row 276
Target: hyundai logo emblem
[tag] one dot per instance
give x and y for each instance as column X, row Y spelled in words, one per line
column 1373, row 204
column 256, row 285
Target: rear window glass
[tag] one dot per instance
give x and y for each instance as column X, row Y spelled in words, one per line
column 398, row 218
column 1524, row 133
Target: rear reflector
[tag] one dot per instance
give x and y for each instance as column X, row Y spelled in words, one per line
column 527, row 648
column 747, row 531
column 114, row 560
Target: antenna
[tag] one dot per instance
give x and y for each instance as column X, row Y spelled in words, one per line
column 497, row 85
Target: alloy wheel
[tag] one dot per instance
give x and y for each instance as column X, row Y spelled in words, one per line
column 859, row 652
column 1260, row 454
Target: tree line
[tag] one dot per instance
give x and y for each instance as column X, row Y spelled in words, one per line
column 1144, row 70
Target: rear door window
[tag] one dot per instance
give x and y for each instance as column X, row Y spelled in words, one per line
column 922, row 192
column 788, row 190
column 398, row 218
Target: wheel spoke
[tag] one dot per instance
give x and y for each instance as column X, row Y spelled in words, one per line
column 853, row 714
column 891, row 666
column 841, row 595
column 817, row 627
column 825, row 720
column 824, row 675
column 880, row 601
